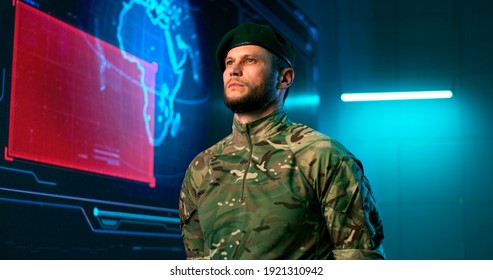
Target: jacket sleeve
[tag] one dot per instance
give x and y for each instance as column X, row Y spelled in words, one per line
column 350, row 209
column 345, row 198
column 193, row 239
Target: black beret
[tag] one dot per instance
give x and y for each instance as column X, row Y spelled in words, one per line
column 255, row 34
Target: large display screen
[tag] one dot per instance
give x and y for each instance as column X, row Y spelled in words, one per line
column 103, row 105
column 68, row 116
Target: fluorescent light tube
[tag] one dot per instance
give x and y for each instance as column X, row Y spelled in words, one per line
column 398, row 95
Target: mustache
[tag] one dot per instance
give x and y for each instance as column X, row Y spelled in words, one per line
column 234, row 81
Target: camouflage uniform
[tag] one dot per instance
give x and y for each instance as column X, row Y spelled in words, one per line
column 274, row 189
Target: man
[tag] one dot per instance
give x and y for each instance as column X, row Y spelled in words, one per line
column 273, row 189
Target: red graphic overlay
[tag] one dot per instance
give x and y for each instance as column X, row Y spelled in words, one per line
column 76, row 102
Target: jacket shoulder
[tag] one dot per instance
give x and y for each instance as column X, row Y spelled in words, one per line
column 303, row 139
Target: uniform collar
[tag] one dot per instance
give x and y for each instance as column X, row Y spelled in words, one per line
column 260, row 129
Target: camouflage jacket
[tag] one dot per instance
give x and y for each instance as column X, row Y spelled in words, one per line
column 274, row 189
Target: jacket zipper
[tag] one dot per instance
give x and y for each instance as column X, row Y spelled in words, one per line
column 250, row 146
column 243, row 184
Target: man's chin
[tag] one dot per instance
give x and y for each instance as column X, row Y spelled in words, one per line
column 239, row 107
column 234, row 94
column 235, row 99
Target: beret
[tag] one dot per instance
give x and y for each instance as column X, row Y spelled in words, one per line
column 255, row 34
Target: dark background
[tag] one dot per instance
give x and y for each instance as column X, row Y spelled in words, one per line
column 428, row 160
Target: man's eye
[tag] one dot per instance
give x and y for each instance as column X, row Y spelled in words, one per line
column 249, row 60
column 228, row 62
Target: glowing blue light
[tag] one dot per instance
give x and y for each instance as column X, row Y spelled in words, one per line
column 308, row 100
column 167, row 16
column 132, row 216
column 399, row 95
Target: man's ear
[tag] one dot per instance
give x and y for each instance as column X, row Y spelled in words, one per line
column 286, row 78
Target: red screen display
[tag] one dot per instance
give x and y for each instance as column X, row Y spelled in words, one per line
column 77, row 102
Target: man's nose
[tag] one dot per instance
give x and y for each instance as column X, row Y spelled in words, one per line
column 235, row 70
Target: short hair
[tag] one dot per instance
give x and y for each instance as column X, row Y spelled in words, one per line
column 280, row 64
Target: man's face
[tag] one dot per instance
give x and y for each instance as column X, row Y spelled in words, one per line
column 249, row 80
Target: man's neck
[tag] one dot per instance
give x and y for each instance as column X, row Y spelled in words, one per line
column 245, row 118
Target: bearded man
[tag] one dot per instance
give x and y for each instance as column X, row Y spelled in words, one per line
column 274, row 189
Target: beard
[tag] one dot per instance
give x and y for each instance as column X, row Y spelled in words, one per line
column 257, row 98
